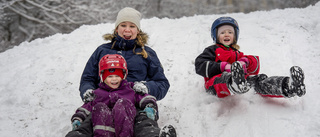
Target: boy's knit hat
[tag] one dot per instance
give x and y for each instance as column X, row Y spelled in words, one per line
column 108, row 72
column 225, row 27
column 129, row 14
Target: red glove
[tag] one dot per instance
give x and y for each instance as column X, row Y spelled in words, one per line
column 225, row 66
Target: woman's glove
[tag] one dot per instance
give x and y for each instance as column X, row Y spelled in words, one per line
column 140, row 87
column 88, row 96
column 225, row 66
column 75, row 124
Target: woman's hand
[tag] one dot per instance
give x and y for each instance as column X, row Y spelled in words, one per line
column 140, row 87
column 88, row 96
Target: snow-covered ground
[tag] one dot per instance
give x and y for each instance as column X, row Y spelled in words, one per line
column 39, row 80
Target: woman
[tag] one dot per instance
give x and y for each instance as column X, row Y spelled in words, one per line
column 144, row 68
column 143, row 64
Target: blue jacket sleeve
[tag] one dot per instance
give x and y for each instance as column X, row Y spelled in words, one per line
column 90, row 76
column 157, row 82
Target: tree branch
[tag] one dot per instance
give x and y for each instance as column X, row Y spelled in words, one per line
column 45, row 8
column 33, row 19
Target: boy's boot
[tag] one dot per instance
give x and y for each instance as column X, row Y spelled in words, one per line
column 238, row 83
column 168, row 131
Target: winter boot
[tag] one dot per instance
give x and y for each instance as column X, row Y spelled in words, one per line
column 296, row 84
column 281, row 85
column 274, row 85
column 238, row 84
column 168, row 131
column 84, row 130
column 144, row 126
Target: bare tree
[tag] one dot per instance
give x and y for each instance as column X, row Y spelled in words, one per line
column 26, row 20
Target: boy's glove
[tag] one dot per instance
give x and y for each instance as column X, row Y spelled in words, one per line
column 88, row 96
column 225, row 66
column 75, row 124
column 140, row 87
column 151, row 112
column 244, row 63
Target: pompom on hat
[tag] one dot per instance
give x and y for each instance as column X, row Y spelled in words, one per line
column 128, row 14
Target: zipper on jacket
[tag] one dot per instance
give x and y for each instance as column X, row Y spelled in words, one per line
column 236, row 55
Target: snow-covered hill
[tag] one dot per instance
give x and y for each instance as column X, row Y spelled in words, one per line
column 39, row 80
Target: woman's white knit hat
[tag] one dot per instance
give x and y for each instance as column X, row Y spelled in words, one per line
column 128, row 14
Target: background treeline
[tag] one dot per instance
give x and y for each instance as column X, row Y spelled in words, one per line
column 26, row 20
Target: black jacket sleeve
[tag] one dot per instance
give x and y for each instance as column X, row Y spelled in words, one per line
column 205, row 64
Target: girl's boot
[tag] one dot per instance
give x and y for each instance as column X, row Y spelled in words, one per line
column 296, row 82
column 238, row 83
column 280, row 85
column 228, row 84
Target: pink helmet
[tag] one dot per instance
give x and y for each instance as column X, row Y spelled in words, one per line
column 113, row 61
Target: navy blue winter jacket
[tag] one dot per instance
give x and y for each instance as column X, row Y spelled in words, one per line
column 139, row 68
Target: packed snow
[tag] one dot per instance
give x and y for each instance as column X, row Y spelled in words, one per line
column 40, row 79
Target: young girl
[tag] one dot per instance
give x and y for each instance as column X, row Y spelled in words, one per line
column 114, row 106
column 227, row 71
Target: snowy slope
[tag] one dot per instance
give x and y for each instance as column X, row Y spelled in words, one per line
column 39, row 80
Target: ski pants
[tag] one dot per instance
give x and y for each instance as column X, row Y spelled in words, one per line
column 217, row 85
column 143, row 126
column 263, row 85
column 116, row 122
